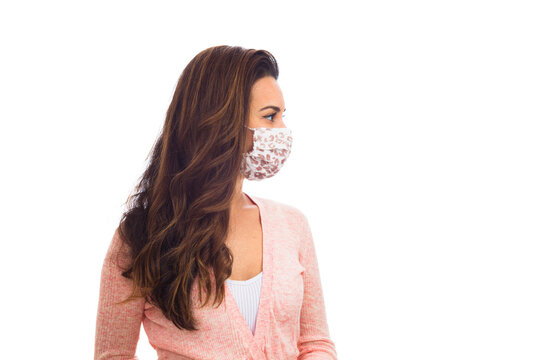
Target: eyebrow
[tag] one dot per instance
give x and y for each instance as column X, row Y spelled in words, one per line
column 276, row 108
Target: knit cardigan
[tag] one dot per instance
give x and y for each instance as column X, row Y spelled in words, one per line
column 291, row 321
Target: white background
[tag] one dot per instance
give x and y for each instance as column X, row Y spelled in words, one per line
column 415, row 158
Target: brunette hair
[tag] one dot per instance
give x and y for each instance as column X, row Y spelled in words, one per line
column 176, row 219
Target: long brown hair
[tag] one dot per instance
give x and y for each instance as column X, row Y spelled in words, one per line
column 177, row 217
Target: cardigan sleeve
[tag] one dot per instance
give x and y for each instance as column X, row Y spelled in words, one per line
column 314, row 341
column 117, row 326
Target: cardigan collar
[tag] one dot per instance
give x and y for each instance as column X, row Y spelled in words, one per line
column 256, row 342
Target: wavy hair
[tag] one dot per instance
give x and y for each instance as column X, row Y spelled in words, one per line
column 177, row 217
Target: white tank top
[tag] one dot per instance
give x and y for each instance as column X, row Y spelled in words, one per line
column 247, row 294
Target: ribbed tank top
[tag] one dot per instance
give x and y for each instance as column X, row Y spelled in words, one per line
column 247, row 294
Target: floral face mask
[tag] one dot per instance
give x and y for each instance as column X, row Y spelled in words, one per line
column 271, row 147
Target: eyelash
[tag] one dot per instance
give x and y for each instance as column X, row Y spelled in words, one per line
column 267, row 116
column 274, row 114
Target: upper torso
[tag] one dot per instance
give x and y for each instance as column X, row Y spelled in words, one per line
column 291, row 318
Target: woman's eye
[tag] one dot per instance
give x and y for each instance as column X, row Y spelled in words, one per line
column 274, row 114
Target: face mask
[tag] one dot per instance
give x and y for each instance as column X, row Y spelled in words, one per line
column 271, row 147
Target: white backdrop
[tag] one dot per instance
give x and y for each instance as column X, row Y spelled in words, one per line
column 415, row 158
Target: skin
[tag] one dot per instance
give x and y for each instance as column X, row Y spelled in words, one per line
column 245, row 231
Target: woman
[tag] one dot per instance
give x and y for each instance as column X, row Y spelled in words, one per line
column 210, row 271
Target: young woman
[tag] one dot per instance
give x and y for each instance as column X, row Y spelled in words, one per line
column 210, row 271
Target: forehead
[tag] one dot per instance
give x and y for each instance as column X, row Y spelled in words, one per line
column 266, row 91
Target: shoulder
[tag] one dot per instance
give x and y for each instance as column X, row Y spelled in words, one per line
column 118, row 251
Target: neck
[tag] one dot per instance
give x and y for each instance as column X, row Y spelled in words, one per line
column 239, row 200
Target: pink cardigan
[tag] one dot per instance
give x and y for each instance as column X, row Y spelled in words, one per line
column 291, row 321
